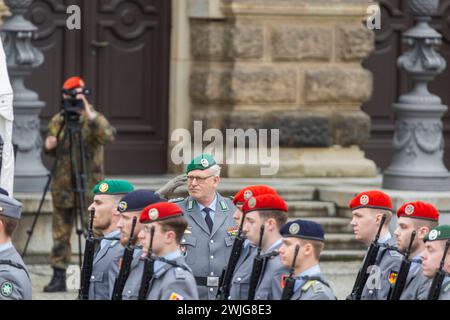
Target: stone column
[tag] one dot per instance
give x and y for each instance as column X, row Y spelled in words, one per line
column 418, row 141
column 293, row 65
column 22, row 58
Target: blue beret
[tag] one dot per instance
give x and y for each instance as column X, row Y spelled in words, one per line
column 10, row 207
column 137, row 200
column 303, row 229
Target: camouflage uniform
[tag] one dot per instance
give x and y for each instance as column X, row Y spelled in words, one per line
column 96, row 133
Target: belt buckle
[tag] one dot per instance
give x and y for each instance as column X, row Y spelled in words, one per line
column 212, row 281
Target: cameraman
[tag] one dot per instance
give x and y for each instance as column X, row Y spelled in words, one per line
column 96, row 132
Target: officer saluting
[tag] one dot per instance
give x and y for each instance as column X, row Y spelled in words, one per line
column 15, row 283
column 172, row 279
column 209, row 237
column 307, row 238
column 107, row 195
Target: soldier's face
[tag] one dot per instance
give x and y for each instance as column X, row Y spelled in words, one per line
column 364, row 223
column 287, row 252
column 431, row 258
column 405, row 226
column 105, row 206
column 124, row 225
column 201, row 184
column 252, row 226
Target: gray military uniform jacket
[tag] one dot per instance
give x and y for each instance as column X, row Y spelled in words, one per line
column 417, row 285
column 206, row 252
column 445, row 290
column 388, row 261
column 173, row 283
column 240, row 281
column 313, row 289
column 272, row 269
column 104, row 271
column 133, row 283
column 15, row 283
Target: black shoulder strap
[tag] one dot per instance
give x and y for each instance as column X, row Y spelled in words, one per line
column 172, row 263
column 307, row 278
column 15, row 265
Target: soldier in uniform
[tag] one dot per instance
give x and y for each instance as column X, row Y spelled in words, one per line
column 131, row 206
column 271, row 211
column 368, row 209
column 15, row 282
column 241, row 276
column 309, row 282
column 431, row 258
column 420, row 217
column 107, row 195
column 211, row 228
column 174, row 280
column 96, row 132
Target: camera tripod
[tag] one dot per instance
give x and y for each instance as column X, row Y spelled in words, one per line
column 71, row 130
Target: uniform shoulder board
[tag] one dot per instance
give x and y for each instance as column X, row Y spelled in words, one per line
column 180, row 273
column 447, row 288
column 14, row 265
column 395, row 254
column 308, row 285
column 176, row 200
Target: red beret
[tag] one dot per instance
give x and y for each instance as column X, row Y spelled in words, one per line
column 252, row 191
column 73, row 82
column 372, row 199
column 265, row 202
column 418, row 210
column 160, row 211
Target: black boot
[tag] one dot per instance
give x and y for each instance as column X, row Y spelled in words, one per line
column 58, row 281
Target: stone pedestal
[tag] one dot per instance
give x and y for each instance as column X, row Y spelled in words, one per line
column 288, row 65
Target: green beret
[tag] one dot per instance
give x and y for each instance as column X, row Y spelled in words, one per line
column 441, row 232
column 201, row 162
column 113, row 187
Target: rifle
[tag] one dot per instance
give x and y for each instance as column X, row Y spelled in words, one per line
column 289, row 283
column 227, row 274
column 124, row 272
column 257, row 267
column 147, row 273
column 369, row 260
column 436, row 285
column 88, row 260
column 400, row 283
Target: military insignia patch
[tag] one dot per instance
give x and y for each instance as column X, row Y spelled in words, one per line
column 252, row 202
column 188, row 230
column 153, row 214
column 103, row 187
column 248, row 194
column 183, row 250
column 447, row 288
column 283, row 280
column 204, row 162
column 233, row 231
column 294, row 228
column 122, row 206
column 176, row 296
column 6, row 289
column 409, row 210
column 392, row 277
column 433, row 235
column 364, row 199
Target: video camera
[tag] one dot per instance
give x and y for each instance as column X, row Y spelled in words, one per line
column 72, row 104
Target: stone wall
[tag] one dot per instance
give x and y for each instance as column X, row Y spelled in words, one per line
column 288, row 64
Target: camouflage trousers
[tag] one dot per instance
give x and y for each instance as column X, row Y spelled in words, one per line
column 63, row 222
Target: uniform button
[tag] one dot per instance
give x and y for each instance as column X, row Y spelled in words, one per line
column 92, row 277
column 212, row 273
column 212, row 241
column 239, row 279
column 211, row 289
column 212, row 257
column 129, row 292
column 183, row 241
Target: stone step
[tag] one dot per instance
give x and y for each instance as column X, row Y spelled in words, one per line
column 331, row 225
column 342, row 255
column 338, row 241
column 302, row 209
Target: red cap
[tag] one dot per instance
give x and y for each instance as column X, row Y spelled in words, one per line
column 252, row 191
column 418, row 210
column 373, row 199
column 265, row 202
column 160, row 211
column 73, row 82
